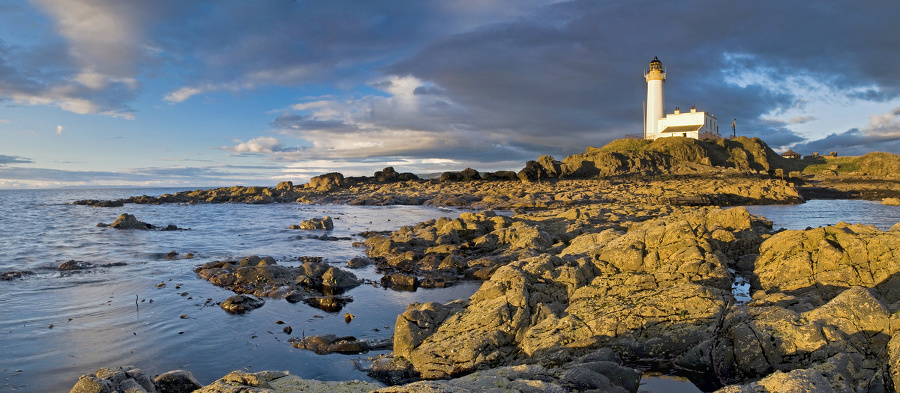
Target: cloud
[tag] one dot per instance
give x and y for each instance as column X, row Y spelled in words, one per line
column 90, row 65
column 410, row 118
column 59, row 130
column 6, row 160
column 802, row 119
column 261, row 145
column 881, row 134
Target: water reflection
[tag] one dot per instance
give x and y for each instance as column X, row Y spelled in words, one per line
column 659, row 383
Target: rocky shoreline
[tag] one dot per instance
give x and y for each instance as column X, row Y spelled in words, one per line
column 588, row 281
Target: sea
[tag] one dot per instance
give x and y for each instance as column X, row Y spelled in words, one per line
column 136, row 306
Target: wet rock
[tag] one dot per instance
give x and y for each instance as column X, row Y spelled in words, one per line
column 359, row 262
column 239, row 304
column 71, row 265
column 177, row 381
column 390, row 370
column 128, row 221
column 329, row 343
column 118, row 379
column 265, row 278
column 325, row 223
column 400, row 281
column 96, row 203
column 281, row 381
column 13, row 274
column 328, row 303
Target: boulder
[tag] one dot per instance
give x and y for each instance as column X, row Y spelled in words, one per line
column 468, row 174
column 128, row 221
column 535, row 171
column 285, row 186
column 325, row 223
column 890, row 201
column 825, row 261
column 264, row 277
column 329, row 343
column 72, row 264
column 359, row 262
column 419, row 321
column 239, row 304
column 176, row 381
column 327, row 181
column 389, row 175
column 400, row 281
column 500, row 176
column 14, row 274
column 118, row 379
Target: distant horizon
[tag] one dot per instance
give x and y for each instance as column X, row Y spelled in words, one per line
column 234, row 92
column 297, row 181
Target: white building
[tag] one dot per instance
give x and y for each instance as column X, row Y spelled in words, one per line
column 692, row 124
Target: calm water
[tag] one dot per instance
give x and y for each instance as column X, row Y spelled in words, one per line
column 823, row 212
column 96, row 321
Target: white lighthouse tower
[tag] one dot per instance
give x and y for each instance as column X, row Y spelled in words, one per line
column 655, row 79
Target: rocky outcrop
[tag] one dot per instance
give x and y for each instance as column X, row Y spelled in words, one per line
column 313, row 282
column 822, row 315
column 652, row 293
column 239, row 304
column 176, row 381
column 841, row 340
column 330, row 343
column 471, row 246
column 599, row 371
column 325, row 223
column 420, row 320
column 285, row 186
column 281, row 382
column 118, row 379
column 467, row 174
column 388, row 174
column 823, row 262
column 128, row 221
column 10, row 275
column 73, row 266
column 327, row 182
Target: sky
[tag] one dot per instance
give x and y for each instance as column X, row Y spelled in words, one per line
column 234, row 92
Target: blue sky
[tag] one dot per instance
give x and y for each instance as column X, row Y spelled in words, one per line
column 219, row 93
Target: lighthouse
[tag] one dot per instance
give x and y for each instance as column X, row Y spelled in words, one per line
column 693, row 124
column 655, row 77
